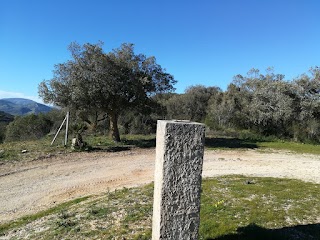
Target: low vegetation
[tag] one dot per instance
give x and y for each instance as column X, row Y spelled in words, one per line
column 236, row 207
column 232, row 207
column 28, row 127
column 38, row 149
column 31, row 150
column 260, row 143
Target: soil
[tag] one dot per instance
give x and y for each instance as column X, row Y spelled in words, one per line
column 29, row 187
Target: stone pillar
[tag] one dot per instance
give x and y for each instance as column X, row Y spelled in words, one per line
column 177, row 185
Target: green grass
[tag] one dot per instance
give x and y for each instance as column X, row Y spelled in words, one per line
column 291, row 146
column 30, row 218
column 232, row 207
column 12, row 151
column 238, row 143
column 236, row 207
column 142, row 141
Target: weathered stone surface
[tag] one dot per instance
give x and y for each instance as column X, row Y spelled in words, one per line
column 179, row 159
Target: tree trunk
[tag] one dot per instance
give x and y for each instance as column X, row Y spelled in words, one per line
column 94, row 123
column 114, row 127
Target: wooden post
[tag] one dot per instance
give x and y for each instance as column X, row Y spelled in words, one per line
column 58, row 130
column 67, row 127
column 66, row 119
column 179, row 159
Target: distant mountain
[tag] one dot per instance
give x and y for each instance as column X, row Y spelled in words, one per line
column 21, row 106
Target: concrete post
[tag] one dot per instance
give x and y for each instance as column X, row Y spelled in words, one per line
column 177, row 185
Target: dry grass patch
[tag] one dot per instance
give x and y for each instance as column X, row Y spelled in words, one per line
column 232, row 207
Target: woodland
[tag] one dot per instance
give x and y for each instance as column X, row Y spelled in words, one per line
column 122, row 92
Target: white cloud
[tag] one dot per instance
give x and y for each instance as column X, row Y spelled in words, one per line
column 5, row 94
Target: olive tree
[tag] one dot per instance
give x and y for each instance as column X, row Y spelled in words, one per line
column 191, row 105
column 106, row 82
column 269, row 102
column 307, row 105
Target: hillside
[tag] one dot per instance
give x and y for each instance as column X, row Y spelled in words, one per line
column 5, row 117
column 21, row 106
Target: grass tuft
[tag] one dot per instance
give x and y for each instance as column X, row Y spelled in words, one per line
column 232, row 207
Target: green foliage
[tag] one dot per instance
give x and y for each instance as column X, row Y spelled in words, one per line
column 5, row 119
column 139, row 122
column 56, row 116
column 123, row 92
column 111, row 83
column 2, row 131
column 28, row 127
column 192, row 105
column 270, row 106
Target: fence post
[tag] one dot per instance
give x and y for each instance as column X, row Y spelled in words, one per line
column 177, row 185
column 67, row 129
column 58, row 130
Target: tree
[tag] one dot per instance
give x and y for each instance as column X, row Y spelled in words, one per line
column 192, row 105
column 196, row 100
column 306, row 90
column 106, row 82
column 271, row 107
column 5, row 119
column 260, row 102
column 28, row 127
column 221, row 110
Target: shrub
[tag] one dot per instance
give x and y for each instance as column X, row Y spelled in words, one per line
column 28, row 127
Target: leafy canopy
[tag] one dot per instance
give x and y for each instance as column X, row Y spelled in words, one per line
column 109, row 82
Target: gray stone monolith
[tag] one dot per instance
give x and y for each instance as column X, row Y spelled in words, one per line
column 177, row 185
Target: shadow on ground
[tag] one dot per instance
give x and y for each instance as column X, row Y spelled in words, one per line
column 209, row 142
column 142, row 143
column 229, row 143
column 110, row 149
column 151, row 143
column 254, row 232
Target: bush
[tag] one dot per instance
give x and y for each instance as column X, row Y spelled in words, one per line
column 28, row 127
column 2, row 132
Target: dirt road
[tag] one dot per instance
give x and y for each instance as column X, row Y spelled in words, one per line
column 28, row 187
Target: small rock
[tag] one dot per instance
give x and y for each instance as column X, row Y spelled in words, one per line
column 24, row 151
column 250, row 182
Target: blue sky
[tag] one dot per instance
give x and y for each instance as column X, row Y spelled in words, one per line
column 199, row 42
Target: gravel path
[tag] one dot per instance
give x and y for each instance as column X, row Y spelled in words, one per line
column 28, row 187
